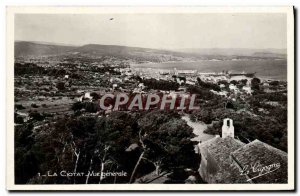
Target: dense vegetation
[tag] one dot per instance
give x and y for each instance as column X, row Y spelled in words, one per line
column 208, row 85
column 136, row 143
column 256, row 117
column 34, row 69
column 160, row 84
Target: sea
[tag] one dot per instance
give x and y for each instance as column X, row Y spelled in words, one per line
column 274, row 69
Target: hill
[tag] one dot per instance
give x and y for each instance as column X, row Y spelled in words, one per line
column 23, row 48
column 111, row 50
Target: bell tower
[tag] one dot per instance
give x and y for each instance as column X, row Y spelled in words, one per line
column 227, row 128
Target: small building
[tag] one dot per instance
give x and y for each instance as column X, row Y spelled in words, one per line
column 228, row 160
column 216, row 166
column 233, row 87
column 114, row 86
column 247, row 89
column 87, row 95
column 141, row 86
column 179, row 81
column 190, row 82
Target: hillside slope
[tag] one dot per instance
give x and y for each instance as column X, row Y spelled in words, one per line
column 23, row 48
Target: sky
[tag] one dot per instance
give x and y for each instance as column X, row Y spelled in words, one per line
column 161, row 31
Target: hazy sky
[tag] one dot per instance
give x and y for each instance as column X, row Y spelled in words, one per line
column 169, row 31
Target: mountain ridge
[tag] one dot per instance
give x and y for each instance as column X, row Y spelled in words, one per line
column 28, row 48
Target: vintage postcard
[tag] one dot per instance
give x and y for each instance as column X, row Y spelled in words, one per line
column 150, row 98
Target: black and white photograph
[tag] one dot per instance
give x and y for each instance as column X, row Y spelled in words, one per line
column 150, row 98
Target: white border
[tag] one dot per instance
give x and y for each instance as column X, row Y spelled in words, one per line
column 133, row 10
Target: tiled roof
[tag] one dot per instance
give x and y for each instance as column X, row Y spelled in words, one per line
column 220, row 149
column 257, row 155
column 221, row 146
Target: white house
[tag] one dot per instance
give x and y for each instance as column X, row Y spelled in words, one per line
column 232, row 87
column 114, row 86
column 247, row 89
column 222, row 85
column 141, row 86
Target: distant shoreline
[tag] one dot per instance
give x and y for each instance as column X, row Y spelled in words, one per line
column 202, row 60
column 265, row 69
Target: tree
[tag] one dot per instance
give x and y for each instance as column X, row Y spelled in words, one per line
column 18, row 119
column 164, row 138
column 207, row 85
column 19, row 106
column 249, row 128
column 274, row 83
column 255, row 83
column 233, row 82
column 86, row 144
column 243, row 82
column 60, row 86
column 95, row 96
column 193, row 117
column 204, row 115
column 91, row 107
column 26, row 163
column 77, row 106
column 172, row 140
column 109, row 130
column 36, row 116
column 160, row 84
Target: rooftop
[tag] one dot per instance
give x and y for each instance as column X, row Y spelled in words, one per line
column 261, row 156
column 220, row 149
